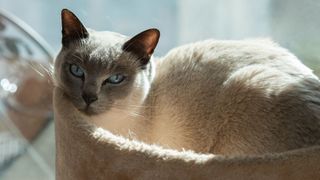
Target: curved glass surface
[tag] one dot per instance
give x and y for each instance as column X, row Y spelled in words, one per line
column 25, row 101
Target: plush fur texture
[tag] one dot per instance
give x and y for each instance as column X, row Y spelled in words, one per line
column 234, row 98
column 222, row 97
column 87, row 152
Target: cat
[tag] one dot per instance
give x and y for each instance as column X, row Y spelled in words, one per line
column 223, row 97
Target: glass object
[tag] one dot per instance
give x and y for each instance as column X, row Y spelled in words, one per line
column 25, row 92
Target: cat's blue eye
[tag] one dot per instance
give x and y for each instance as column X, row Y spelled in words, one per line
column 76, row 71
column 115, row 79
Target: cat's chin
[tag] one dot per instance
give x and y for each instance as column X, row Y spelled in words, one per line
column 88, row 111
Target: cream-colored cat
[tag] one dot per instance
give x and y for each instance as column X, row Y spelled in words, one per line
column 222, row 97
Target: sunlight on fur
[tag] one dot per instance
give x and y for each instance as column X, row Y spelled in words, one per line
column 153, row 150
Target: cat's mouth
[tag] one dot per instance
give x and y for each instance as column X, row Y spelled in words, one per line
column 88, row 110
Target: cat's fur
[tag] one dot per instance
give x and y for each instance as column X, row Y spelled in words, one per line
column 223, row 97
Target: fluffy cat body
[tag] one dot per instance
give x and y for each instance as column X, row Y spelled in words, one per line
column 225, row 97
column 222, row 97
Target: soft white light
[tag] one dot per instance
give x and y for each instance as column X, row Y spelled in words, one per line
column 4, row 82
column 13, row 88
column 7, row 86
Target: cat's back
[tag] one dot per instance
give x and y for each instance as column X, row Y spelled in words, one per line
column 220, row 89
column 220, row 64
column 232, row 55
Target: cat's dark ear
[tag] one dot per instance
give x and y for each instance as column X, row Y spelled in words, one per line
column 72, row 28
column 143, row 44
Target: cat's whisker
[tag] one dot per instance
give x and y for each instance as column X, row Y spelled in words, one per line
column 132, row 135
column 85, row 126
column 132, row 105
column 130, row 109
column 139, row 106
column 42, row 70
column 69, row 94
column 136, row 114
column 128, row 112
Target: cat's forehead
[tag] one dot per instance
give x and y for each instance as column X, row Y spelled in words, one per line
column 107, row 38
column 101, row 51
column 102, row 44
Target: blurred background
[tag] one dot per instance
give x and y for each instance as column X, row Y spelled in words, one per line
column 26, row 129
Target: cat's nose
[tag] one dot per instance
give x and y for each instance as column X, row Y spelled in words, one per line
column 89, row 98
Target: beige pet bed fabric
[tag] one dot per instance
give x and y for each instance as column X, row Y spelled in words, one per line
column 90, row 153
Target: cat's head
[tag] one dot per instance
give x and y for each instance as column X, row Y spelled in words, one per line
column 101, row 70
